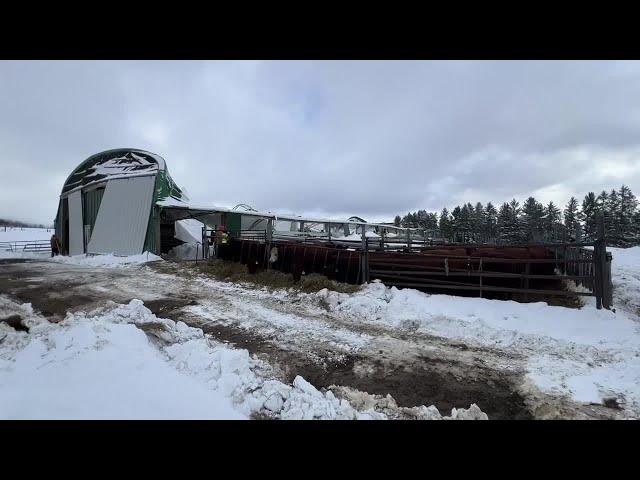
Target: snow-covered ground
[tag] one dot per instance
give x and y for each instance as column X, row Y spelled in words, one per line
column 585, row 355
column 588, row 354
column 625, row 276
column 107, row 261
column 123, row 362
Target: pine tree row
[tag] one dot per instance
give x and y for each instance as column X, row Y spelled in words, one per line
column 533, row 221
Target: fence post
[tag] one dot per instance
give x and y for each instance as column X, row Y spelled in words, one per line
column 267, row 238
column 599, row 259
column 608, row 286
column 364, row 257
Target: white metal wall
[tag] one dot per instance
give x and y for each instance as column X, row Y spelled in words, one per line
column 76, row 234
column 121, row 224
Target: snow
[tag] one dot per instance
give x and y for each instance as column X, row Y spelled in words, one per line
column 93, row 368
column 102, row 365
column 472, row 317
column 186, row 251
column 625, row 276
column 585, row 353
column 107, row 261
column 189, row 230
column 13, row 234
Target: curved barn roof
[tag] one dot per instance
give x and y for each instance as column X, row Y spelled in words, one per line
column 119, row 163
column 113, row 163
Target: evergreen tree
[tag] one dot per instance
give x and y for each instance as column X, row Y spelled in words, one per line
column 610, row 206
column 478, row 223
column 397, row 221
column 626, row 214
column 445, row 224
column 456, row 224
column 551, row 222
column 491, row 221
column 466, row 218
column 432, row 221
column 532, row 219
column 519, row 232
column 509, row 227
column 589, row 212
column 603, row 201
column 572, row 216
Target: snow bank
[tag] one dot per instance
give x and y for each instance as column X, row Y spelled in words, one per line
column 625, row 276
column 186, row 251
column 93, row 368
column 106, row 260
column 102, row 365
column 488, row 322
column 585, row 353
column 26, row 255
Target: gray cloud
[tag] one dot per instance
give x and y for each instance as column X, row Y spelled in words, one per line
column 326, row 138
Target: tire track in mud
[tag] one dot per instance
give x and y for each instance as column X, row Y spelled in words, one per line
column 414, row 368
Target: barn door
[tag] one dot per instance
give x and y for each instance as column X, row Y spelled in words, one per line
column 76, row 230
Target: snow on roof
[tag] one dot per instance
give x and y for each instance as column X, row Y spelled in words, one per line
column 173, row 203
column 111, row 164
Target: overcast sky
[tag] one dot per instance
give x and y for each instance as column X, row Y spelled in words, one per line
column 334, row 139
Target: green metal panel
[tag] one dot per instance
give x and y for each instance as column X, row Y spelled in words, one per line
column 167, row 188
column 233, row 223
column 152, row 240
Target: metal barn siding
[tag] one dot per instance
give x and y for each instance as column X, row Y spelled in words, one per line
column 233, row 222
column 152, row 241
column 90, row 206
column 76, row 237
column 123, row 218
column 59, row 222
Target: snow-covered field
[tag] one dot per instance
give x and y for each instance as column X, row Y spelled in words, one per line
column 12, row 234
column 586, row 356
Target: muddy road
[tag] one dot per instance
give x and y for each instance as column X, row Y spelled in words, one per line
column 297, row 335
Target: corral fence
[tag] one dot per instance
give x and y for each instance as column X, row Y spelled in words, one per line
column 32, row 246
column 526, row 269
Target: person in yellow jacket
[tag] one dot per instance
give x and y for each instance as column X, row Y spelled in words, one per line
column 221, row 240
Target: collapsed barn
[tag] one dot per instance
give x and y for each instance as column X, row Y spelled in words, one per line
column 124, row 202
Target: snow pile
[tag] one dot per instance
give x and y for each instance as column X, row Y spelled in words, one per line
column 625, row 276
column 387, row 406
column 104, row 365
column 92, row 368
column 488, row 322
column 186, row 251
column 586, row 353
column 107, row 261
column 26, row 255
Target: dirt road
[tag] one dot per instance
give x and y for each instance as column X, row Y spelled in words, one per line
column 298, row 335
